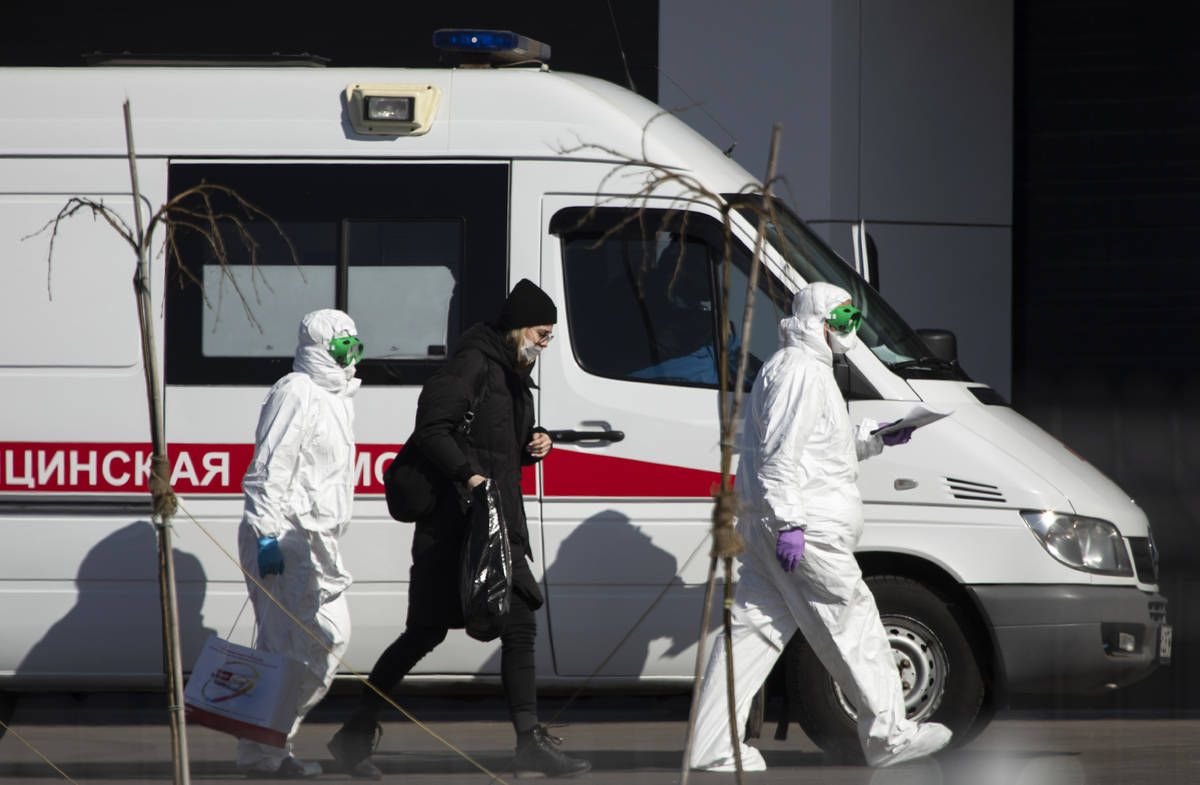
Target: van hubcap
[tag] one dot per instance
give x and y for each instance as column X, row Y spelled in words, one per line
column 922, row 663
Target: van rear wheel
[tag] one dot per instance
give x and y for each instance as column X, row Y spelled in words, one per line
column 940, row 676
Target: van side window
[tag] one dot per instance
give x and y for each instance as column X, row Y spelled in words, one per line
column 642, row 296
column 772, row 302
column 385, row 242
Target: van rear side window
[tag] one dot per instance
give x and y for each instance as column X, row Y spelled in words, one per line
column 385, row 264
column 385, row 242
column 277, row 286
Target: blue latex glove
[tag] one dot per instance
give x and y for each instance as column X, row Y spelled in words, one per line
column 270, row 557
column 897, row 437
column 789, row 549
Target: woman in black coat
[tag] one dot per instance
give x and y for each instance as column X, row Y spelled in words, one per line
column 489, row 375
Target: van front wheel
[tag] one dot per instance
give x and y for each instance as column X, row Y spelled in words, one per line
column 939, row 675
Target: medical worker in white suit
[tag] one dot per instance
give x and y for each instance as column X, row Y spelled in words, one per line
column 298, row 495
column 800, row 514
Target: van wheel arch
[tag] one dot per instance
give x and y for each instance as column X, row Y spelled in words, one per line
column 928, row 614
column 962, row 603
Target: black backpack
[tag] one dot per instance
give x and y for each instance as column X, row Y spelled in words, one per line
column 411, row 483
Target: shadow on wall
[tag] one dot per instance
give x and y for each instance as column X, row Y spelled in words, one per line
column 115, row 626
column 603, row 590
column 1142, row 430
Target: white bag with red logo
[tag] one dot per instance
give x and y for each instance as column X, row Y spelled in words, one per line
column 245, row 692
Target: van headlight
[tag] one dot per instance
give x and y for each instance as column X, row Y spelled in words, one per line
column 1087, row 544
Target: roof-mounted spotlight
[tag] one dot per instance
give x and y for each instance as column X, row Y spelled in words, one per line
column 486, row 47
column 392, row 109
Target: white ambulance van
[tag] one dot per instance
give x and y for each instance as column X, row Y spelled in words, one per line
column 1003, row 563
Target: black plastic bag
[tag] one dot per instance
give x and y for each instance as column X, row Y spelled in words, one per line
column 487, row 564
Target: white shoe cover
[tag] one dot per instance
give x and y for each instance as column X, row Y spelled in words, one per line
column 931, row 737
column 752, row 760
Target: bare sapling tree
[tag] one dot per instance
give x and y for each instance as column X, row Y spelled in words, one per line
column 687, row 192
column 210, row 211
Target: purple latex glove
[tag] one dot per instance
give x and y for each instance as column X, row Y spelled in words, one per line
column 789, row 549
column 897, row 437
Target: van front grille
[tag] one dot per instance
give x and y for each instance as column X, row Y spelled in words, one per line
column 1145, row 560
column 973, row 491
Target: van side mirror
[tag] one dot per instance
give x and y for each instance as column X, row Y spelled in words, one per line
column 866, row 255
column 942, row 343
column 872, row 263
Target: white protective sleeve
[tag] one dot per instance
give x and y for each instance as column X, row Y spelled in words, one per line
column 866, row 445
column 787, row 414
column 277, row 446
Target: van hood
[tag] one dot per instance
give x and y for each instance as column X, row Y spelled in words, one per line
column 1088, row 491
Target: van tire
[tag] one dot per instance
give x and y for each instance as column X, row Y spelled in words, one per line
column 8, row 706
column 945, row 684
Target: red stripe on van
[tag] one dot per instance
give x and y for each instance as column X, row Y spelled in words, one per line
column 569, row 473
column 123, row 467
column 119, row 467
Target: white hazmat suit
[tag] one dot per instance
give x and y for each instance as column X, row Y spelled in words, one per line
column 798, row 466
column 299, row 489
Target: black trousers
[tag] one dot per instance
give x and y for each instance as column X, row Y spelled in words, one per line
column 518, row 672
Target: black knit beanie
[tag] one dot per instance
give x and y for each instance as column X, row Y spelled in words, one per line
column 526, row 306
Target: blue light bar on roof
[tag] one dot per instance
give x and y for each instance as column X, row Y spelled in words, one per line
column 490, row 45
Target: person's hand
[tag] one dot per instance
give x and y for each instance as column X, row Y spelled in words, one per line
column 475, row 479
column 789, row 549
column 270, row 557
column 540, row 445
column 897, row 437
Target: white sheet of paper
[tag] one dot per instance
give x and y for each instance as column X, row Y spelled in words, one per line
column 916, row 417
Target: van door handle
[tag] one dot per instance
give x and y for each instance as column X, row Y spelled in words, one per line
column 570, row 437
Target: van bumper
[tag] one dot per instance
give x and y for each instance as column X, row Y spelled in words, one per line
column 1065, row 638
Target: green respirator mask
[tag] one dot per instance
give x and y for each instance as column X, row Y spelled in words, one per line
column 346, row 349
column 844, row 319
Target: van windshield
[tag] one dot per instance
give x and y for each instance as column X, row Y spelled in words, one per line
column 882, row 330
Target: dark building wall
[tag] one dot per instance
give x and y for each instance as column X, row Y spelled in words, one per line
column 583, row 36
column 1106, row 276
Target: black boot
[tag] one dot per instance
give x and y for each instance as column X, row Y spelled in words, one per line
column 537, row 756
column 353, row 745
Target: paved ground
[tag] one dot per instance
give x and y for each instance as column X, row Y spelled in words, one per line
column 630, row 740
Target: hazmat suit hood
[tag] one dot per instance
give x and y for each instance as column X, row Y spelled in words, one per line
column 317, row 329
column 810, row 308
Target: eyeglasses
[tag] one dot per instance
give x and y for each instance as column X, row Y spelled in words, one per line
column 543, row 336
column 844, row 319
column 346, row 349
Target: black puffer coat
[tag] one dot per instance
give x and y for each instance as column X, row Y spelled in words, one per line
column 484, row 362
